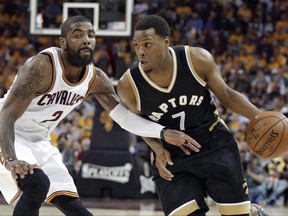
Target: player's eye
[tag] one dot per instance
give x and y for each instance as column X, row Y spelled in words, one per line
column 147, row 45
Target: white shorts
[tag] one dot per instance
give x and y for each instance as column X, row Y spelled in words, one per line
column 49, row 159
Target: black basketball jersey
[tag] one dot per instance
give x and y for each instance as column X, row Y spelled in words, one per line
column 185, row 105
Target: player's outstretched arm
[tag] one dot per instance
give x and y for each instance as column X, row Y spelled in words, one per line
column 146, row 128
column 174, row 137
column 102, row 88
column 31, row 79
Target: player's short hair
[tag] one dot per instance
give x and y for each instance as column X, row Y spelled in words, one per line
column 65, row 26
column 159, row 24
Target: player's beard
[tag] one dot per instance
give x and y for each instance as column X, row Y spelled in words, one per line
column 75, row 59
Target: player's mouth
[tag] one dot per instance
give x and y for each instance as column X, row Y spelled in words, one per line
column 143, row 63
column 86, row 51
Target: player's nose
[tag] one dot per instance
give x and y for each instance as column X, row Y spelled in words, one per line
column 141, row 52
column 86, row 39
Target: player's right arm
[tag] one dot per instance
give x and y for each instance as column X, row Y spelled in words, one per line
column 206, row 68
column 32, row 78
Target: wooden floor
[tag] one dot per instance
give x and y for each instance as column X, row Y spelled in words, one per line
column 145, row 209
column 126, row 207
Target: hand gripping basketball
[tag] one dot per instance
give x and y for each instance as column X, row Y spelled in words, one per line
column 267, row 134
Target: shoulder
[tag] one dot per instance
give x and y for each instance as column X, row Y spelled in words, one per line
column 126, row 92
column 198, row 54
column 195, row 54
column 100, row 74
column 36, row 74
column 202, row 61
column 124, row 81
column 101, row 82
column 39, row 64
column 124, row 84
column 134, row 67
column 40, row 60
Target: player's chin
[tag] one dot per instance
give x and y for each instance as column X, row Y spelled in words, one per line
column 147, row 69
column 83, row 61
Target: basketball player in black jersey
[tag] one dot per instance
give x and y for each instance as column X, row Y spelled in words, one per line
column 171, row 86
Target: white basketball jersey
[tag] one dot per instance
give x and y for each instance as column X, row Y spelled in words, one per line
column 48, row 109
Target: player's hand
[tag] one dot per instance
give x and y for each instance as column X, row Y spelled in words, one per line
column 182, row 140
column 19, row 168
column 163, row 158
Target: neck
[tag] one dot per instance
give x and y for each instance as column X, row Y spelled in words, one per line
column 167, row 64
column 72, row 73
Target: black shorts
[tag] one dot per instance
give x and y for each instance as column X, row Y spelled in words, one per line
column 216, row 170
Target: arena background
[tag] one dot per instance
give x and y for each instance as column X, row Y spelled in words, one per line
column 248, row 39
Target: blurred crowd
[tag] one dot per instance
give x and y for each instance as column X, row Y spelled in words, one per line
column 248, row 39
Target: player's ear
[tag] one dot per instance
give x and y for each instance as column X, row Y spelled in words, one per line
column 167, row 41
column 62, row 43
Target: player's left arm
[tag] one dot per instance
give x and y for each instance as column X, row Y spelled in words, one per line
column 207, row 69
column 103, row 89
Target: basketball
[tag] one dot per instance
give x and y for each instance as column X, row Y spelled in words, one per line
column 267, row 134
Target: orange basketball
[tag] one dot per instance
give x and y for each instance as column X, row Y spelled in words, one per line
column 267, row 134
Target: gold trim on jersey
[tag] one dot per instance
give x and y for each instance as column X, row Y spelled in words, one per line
column 16, row 196
column 234, row 208
column 58, row 193
column 135, row 89
column 185, row 209
column 211, row 128
column 53, row 73
column 1, row 158
column 192, row 69
column 36, row 166
column 174, row 75
column 63, row 72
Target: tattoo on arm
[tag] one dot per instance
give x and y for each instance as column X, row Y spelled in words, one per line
column 7, row 137
column 31, row 84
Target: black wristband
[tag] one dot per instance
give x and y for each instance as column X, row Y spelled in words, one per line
column 162, row 133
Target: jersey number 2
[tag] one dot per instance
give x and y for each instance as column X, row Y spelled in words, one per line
column 180, row 115
column 56, row 116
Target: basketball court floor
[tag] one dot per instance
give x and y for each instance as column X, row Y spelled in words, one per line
column 128, row 208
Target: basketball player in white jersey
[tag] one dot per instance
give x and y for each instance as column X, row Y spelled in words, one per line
column 47, row 87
